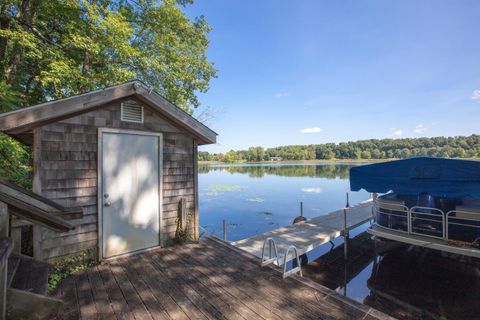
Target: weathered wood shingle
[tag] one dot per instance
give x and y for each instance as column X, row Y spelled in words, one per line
column 67, row 162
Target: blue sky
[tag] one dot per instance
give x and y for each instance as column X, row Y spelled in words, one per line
column 303, row 72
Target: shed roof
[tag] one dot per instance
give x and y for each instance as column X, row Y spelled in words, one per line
column 20, row 123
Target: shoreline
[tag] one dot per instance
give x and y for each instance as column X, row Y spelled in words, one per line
column 301, row 161
column 317, row 161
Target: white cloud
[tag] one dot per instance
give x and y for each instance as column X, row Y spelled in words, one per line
column 419, row 128
column 311, row 130
column 312, row 190
column 476, row 94
column 397, row 133
column 282, row 94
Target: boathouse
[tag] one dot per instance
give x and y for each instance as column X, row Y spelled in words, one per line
column 125, row 155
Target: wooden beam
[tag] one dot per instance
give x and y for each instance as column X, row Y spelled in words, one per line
column 6, row 246
column 196, row 231
column 4, row 220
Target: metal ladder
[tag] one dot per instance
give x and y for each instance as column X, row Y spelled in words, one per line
column 273, row 257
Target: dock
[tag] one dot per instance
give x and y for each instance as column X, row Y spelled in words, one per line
column 308, row 235
column 206, row 280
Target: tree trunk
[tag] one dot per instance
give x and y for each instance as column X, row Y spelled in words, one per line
column 4, row 25
column 25, row 13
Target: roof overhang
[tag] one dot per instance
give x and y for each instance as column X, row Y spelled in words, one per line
column 19, row 123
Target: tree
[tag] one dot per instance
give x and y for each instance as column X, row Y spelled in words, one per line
column 57, row 48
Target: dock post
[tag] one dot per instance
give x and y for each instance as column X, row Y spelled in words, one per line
column 224, row 230
column 301, row 209
column 345, row 234
column 348, row 202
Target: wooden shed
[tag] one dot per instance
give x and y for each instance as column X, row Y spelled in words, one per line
column 124, row 154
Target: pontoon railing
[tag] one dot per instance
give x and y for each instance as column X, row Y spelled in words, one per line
column 425, row 221
column 462, row 222
column 393, row 214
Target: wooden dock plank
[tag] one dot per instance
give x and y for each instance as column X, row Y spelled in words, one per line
column 131, row 296
column 208, row 303
column 310, row 234
column 154, row 307
column 238, row 310
column 206, row 280
column 100, row 296
column 156, row 284
column 115, row 295
column 310, row 303
column 181, row 298
column 86, row 303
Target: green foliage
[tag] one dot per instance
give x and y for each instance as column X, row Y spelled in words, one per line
column 57, row 48
column 15, row 161
column 14, row 157
column 448, row 147
column 68, row 265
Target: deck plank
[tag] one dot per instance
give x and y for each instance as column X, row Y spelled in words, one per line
column 310, row 234
column 100, row 296
column 157, row 284
column 206, row 280
column 154, row 307
column 115, row 295
column 248, row 296
column 185, row 296
column 231, row 307
column 204, row 300
column 86, row 303
column 131, row 296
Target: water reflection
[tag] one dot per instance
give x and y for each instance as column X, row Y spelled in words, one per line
column 406, row 282
column 319, row 170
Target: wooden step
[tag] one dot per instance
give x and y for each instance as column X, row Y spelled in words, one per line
column 31, row 306
column 31, row 275
column 13, row 263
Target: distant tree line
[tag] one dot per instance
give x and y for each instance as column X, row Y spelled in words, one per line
column 446, row 147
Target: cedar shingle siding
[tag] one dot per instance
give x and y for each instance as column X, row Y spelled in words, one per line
column 65, row 162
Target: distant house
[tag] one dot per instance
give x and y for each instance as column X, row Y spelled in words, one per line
column 124, row 154
column 276, row 159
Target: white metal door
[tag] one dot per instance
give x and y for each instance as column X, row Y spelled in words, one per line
column 130, row 199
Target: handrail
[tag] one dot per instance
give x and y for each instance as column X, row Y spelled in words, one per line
column 448, row 215
column 294, row 270
column 271, row 258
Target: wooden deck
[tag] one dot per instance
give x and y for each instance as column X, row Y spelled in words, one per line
column 208, row 280
column 310, row 234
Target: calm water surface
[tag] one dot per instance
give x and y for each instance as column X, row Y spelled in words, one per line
column 262, row 197
column 403, row 281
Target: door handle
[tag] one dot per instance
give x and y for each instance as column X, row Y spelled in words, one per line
column 106, row 203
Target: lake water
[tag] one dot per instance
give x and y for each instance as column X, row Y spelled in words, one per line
column 404, row 281
column 255, row 198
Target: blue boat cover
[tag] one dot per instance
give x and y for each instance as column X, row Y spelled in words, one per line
column 439, row 177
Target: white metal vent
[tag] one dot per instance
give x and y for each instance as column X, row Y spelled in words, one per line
column 131, row 112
